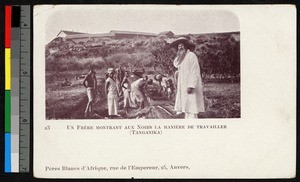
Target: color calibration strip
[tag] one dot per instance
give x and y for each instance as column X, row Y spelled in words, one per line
column 15, row 70
column 17, row 88
column 7, row 99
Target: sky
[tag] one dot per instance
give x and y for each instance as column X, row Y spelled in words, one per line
column 152, row 19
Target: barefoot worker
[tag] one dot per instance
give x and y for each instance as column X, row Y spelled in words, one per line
column 189, row 96
column 126, row 91
column 138, row 89
column 170, row 88
column 112, row 94
column 90, row 83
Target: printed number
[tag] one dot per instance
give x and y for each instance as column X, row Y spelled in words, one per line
column 25, row 25
column 47, row 127
column 24, row 72
column 24, row 120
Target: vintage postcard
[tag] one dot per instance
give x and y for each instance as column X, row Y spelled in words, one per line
column 164, row 91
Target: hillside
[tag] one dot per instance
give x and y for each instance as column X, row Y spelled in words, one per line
column 68, row 60
column 218, row 53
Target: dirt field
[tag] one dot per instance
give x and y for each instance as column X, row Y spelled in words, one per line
column 222, row 100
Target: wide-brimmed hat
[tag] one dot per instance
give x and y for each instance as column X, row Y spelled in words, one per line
column 185, row 41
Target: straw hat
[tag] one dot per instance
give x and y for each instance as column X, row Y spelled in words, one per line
column 185, row 41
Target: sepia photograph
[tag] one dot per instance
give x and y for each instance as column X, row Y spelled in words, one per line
column 142, row 63
column 205, row 91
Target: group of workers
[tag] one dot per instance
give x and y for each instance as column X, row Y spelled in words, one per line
column 189, row 95
column 133, row 93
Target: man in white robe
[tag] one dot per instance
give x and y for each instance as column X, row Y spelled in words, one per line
column 189, row 96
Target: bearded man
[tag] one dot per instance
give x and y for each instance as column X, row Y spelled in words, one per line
column 189, row 96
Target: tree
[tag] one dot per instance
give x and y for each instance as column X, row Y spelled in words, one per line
column 164, row 57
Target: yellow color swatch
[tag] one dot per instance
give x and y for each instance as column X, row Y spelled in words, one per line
column 7, row 69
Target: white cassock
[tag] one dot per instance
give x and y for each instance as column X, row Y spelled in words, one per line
column 189, row 76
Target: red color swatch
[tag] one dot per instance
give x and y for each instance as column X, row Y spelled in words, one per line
column 7, row 26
